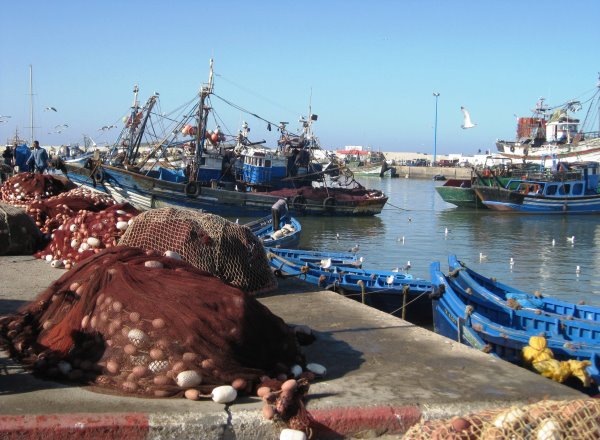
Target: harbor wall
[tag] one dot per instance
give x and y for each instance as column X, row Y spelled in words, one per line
column 429, row 172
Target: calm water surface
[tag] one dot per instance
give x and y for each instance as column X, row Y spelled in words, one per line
column 416, row 212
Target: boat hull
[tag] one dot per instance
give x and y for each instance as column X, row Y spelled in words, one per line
column 500, row 199
column 588, row 150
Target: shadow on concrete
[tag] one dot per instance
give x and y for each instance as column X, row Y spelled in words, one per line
column 10, row 306
column 15, row 380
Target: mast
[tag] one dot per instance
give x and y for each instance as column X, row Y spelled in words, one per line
column 132, row 125
column 31, row 103
column 205, row 91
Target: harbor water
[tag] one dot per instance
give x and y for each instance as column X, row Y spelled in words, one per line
column 412, row 227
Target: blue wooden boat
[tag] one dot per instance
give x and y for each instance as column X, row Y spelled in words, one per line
column 229, row 179
column 568, row 189
column 303, row 256
column 480, row 324
column 502, row 294
column 392, row 292
column 285, row 234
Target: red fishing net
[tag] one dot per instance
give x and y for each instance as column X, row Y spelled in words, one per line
column 50, row 213
column 85, row 233
column 209, row 242
column 27, row 187
column 138, row 323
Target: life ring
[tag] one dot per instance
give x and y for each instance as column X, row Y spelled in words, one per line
column 512, row 149
column 191, row 189
column 98, row 175
column 329, row 204
column 299, row 203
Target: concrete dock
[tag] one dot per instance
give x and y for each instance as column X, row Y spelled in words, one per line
column 384, row 375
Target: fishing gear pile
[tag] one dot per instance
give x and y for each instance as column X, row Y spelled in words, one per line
column 52, row 212
column 546, row 419
column 24, row 188
column 18, row 233
column 86, row 233
column 140, row 323
column 211, row 243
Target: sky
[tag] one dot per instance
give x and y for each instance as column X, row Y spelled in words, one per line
column 367, row 69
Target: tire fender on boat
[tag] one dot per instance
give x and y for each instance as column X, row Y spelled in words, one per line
column 512, row 149
column 329, row 204
column 299, row 203
column 191, row 189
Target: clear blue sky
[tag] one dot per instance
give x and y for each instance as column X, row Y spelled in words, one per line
column 371, row 66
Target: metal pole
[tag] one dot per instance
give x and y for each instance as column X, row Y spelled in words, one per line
column 31, row 104
column 435, row 128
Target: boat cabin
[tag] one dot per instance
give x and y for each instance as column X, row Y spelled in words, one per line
column 582, row 179
column 562, row 131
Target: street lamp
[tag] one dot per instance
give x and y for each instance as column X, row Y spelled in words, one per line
column 437, row 95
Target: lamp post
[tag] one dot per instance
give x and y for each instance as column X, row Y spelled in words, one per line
column 437, row 95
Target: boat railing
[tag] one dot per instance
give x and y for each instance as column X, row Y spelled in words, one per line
column 547, row 175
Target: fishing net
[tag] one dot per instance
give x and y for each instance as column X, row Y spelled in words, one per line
column 209, row 242
column 27, row 187
column 50, row 213
column 134, row 322
column 320, row 194
column 84, row 233
column 545, row 420
column 18, row 233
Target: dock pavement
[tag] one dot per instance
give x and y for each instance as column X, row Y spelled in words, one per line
column 383, row 375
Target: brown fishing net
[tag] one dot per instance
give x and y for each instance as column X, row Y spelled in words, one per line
column 27, row 187
column 138, row 323
column 50, row 213
column 209, row 242
column 86, row 233
column 545, row 420
column 18, row 233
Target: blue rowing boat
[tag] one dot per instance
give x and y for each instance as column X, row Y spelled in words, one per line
column 392, row 292
column 484, row 325
column 505, row 295
column 286, row 234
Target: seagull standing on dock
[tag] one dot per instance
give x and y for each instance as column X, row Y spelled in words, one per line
column 467, row 119
column 326, row 264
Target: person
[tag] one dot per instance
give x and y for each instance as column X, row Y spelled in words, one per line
column 8, row 156
column 38, row 161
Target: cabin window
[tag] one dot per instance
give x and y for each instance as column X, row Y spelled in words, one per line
column 551, row 190
column 268, row 163
column 577, row 189
column 567, row 188
column 260, row 162
column 203, row 161
column 561, row 190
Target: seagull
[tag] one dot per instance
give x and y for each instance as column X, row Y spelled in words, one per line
column 326, row 264
column 396, row 269
column 337, row 236
column 482, row 257
column 401, row 239
column 553, row 242
column 390, row 279
column 512, row 261
column 446, row 232
column 577, row 270
column 407, row 266
column 355, row 249
column 571, row 239
column 409, row 220
column 467, row 119
column 62, row 125
column 51, row 108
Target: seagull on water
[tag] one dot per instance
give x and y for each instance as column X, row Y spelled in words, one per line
column 337, row 236
column 401, row 239
column 578, row 270
column 482, row 257
column 553, row 242
column 407, row 266
column 571, row 239
column 512, row 262
column 446, row 232
column 51, row 108
column 355, row 249
column 467, row 119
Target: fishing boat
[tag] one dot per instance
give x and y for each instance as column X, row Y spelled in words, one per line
column 507, row 296
column 319, row 258
column 565, row 189
column 485, row 326
column 392, row 292
column 216, row 172
column 279, row 229
column 554, row 132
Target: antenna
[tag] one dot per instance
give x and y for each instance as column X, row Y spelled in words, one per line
column 31, row 102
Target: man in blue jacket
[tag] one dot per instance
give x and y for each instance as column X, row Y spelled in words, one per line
column 38, row 161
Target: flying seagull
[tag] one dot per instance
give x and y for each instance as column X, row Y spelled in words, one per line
column 62, row 125
column 51, row 108
column 467, row 119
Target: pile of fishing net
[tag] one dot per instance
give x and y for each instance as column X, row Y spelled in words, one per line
column 321, row 193
column 211, row 243
column 52, row 212
column 139, row 323
column 18, row 233
column 23, row 188
column 84, row 233
column 547, row 420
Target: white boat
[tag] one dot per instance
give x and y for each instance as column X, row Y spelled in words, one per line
column 554, row 133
